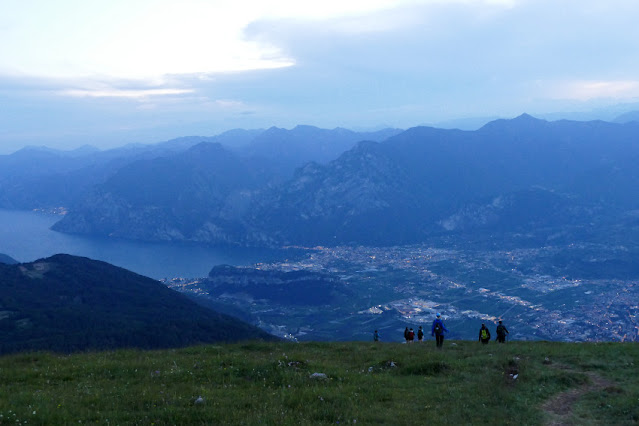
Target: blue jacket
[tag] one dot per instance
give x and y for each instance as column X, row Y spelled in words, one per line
column 432, row 330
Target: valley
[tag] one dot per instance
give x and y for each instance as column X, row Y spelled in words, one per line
column 404, row 286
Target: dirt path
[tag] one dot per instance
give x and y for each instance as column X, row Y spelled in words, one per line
column 560, row 407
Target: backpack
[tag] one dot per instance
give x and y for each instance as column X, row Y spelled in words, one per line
column 438, row 328
column 484, row 334
column 420, row 333
column 500, row 330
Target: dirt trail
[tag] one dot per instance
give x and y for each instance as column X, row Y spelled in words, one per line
column 560, row 407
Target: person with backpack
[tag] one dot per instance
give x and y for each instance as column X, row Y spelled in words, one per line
column 438, row 330
column 484, row 334
column 502, row 331
column 376, row 336
column 420, row 334
column 411, row 336
column 406, row 334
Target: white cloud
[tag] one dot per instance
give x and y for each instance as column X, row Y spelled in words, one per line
column 151, row 38
column 587, row 90
column 120, row 93
column 227, row 103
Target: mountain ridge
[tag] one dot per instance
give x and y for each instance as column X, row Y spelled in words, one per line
column 404, row 187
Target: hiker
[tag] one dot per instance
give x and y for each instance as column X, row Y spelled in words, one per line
column 420, row 334
column 376, row 336
column 406, row 334
column 502, row 331
column 411, row 336
column 438, row 330
column 484, row 334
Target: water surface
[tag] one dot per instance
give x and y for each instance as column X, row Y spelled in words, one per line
column 26, row 236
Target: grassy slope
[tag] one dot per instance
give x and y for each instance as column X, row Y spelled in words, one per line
column 269, row 383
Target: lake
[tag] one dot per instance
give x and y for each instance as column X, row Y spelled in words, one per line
column 25, row 236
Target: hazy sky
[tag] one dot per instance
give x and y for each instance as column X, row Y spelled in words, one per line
column 106, row 73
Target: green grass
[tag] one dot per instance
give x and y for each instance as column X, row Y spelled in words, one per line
column 269, row 383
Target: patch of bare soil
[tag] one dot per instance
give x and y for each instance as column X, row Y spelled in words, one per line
column 560, row 407
column 36, row 271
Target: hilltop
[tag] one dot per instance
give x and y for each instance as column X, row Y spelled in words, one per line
column 68, row 303
column 357, row 383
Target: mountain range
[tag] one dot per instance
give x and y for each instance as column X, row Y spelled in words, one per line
column 44, row 178
column 67, row 303
column 508, row 176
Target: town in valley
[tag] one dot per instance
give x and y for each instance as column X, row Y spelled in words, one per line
column 362, row 289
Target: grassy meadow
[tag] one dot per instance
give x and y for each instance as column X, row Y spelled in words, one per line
column 366, row 383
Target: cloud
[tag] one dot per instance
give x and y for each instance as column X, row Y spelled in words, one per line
column 587, row 90
column 151, row 38
column 161, row 64
column 227, row 103
column 119, row 93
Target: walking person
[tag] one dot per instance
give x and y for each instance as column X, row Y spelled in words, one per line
column 376, row 336
column 484, row 334
column 502, row 331
column 406, row 334
column 411, row 336
column 438, row 330
column 420, row 334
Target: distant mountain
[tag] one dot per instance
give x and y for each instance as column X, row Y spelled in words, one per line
column 40, row 177
column 44, row 178
column 627, row 117
column 66, row 303
column 510, row 175
column 77, row 152
column 470, row 123
column 7, row 259
column 199, row 194
column 194, row 195
column 290, row 149
column 357, row 195
column 37, row 177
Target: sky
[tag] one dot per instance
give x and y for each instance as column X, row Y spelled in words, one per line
column 109, row 73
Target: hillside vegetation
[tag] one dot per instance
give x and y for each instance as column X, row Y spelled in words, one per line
column 68, row 303
column 366, row 383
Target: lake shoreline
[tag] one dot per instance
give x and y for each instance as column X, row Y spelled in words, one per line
column 25, row 235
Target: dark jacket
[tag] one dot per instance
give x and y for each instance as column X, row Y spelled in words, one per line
column 501, row 330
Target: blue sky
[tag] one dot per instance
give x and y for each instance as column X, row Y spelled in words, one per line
column 109, row 73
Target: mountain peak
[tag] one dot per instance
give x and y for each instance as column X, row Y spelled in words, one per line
column 525, row 116
column 523, row 121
